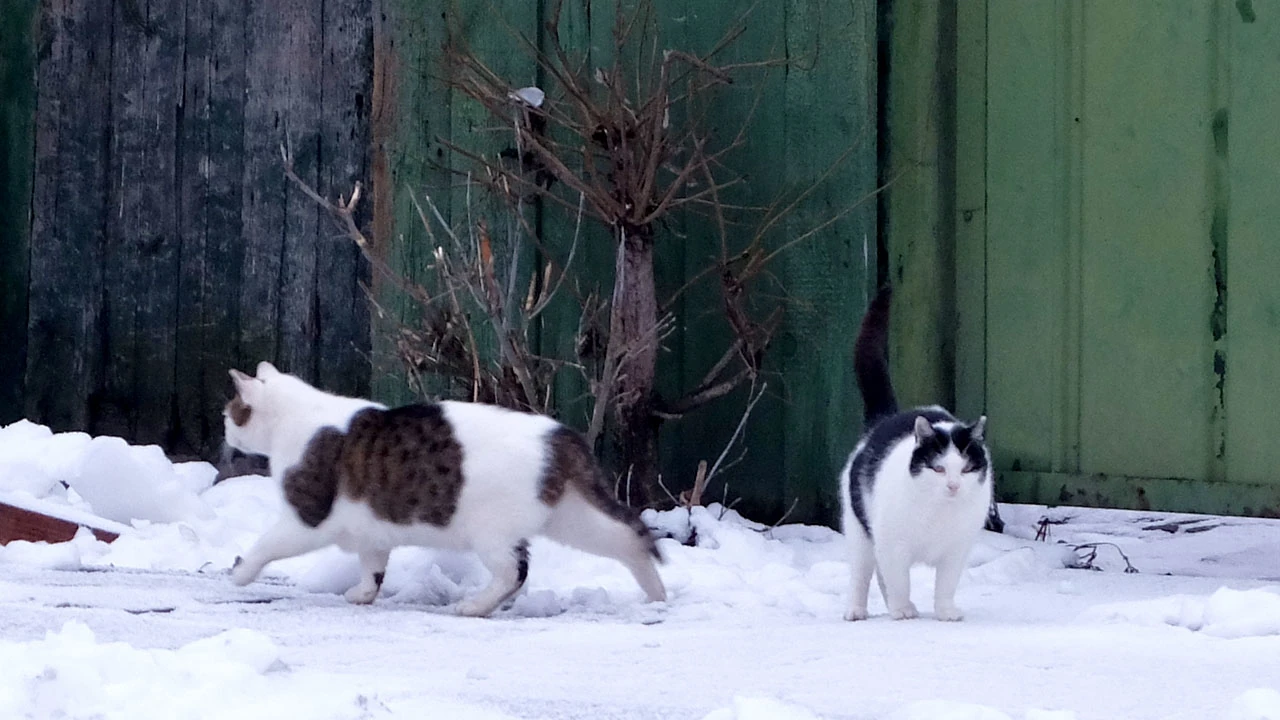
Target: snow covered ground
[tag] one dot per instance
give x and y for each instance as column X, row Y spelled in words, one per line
column 151, row 627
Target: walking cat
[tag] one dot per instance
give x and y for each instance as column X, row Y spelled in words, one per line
column 457, row 475
column 916, row 489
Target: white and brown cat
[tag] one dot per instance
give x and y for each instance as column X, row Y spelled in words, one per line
column 457, row 475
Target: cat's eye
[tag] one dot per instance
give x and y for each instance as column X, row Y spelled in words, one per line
column 939, row 469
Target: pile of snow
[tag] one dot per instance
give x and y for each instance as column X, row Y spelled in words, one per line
column 238, row 673
column 1226, row 613
column 104, row 476
column 173, row 518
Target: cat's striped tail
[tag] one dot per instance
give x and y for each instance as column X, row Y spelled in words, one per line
column 871, row 360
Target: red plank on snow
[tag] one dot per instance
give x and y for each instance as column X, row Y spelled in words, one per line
column 20, row 524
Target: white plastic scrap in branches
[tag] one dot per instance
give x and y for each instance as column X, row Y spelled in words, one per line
column 531, row 96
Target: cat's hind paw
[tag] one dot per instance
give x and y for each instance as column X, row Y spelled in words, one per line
column 906, row 612
column 855, row 614
column 362, row 594
column 949, row 613
column 471, row 608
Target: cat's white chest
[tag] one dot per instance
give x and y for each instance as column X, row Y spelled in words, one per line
column 929, row 527
column 943, row 529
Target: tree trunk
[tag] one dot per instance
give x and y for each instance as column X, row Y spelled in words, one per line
column 633, row 323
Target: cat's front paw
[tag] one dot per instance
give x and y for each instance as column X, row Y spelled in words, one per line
column 855, row 614
column 905, row 612
column 948, row 613
column 243, row 573
column 361, row 594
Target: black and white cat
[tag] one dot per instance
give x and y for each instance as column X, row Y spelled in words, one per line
column 915, row 490
column 458, row 475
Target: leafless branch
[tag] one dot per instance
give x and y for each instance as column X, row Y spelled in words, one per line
column 752, row 398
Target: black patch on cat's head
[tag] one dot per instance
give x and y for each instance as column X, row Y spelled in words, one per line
column 929, row 447
column 967, row 439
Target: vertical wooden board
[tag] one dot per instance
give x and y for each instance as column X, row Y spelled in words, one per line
column 971, row 208
column 303, row 52
column 209, row 173
column 225, row 240
column 1027, row 243
column 142, row 231
column 73, row 109
column 410, row 115
column 919, row 202
column 1147, row 293
column 342, row 311
column 586, row 37
column 681, row 244
column 830, row 106
column 123, row 284
column 17, row 117
column 492, row 31
column 188, row 434
column 691, row 245
column 1244, row 131
column 263, row 207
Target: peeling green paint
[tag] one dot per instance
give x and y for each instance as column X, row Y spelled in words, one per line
column 1220, row 126
column 1245, row 8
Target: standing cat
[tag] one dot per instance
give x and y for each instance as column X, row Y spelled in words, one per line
column 456, row 475
column 916, row 489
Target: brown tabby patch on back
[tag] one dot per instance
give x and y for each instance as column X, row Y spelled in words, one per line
column 572, row 464
column 405, row 463
column 238, row 411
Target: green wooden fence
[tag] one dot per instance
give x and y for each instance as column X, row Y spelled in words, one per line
column 821, row 105
column 1112, row 230
column 141, row 179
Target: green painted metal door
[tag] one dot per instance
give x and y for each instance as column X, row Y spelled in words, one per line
column 1118, row 249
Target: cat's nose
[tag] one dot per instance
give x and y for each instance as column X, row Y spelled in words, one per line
column 953, row 488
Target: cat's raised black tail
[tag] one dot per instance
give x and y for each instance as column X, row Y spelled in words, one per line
column 871, row 360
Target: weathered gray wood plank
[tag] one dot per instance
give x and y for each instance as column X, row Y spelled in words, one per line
column 67, row 234
column 17, row 115
column 342, row 311
column 224, row 244
column 263, row 181
column 148, row 51
column 210, row 172
column 189, row 429
column 303, row 50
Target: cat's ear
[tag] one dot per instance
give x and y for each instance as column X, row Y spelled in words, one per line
column 978, row 430
column 246, row 387
column 266, row 370
column 924, row 429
